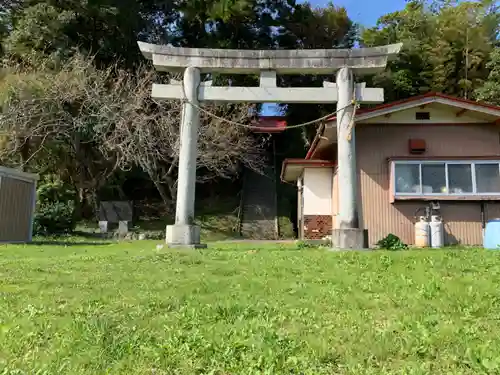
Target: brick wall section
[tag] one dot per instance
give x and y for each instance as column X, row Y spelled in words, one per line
column 317, row 227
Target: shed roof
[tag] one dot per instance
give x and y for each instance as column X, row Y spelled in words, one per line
column 18, row 175
column 292, row 169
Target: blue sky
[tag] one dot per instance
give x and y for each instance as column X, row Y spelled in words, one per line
column 365, row 12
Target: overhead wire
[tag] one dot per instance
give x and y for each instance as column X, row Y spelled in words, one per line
column 350, row 127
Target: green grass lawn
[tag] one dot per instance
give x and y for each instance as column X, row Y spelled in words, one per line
column 131, row 309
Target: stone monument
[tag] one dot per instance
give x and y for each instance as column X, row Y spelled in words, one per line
column 115, row 212
column 268, row 63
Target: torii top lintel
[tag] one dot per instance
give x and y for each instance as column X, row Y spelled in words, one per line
column 305, row 61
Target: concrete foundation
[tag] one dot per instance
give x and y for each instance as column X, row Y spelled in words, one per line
column 187, row 236
column 103, row 226
column 123, row 227
column 350, row 239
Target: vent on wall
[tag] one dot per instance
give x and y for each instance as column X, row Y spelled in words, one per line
column 422, row 116
column 416, row 146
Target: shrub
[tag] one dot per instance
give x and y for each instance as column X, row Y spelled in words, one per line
column 55, row 213
column 302, row 245
column 392, row 242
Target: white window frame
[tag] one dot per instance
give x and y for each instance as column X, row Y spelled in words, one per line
column 446, row 162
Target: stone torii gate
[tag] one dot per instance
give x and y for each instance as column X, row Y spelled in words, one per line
column 268, row 63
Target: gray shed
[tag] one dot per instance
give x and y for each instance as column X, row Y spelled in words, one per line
column 17, row 205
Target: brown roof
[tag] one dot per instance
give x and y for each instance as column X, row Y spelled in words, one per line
column 397, row 103
column 420, row 97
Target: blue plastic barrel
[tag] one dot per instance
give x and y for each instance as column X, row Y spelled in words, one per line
column 492, row 235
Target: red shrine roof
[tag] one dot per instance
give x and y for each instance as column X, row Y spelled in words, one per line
column 269, row 124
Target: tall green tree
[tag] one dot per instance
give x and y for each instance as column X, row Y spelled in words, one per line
column 461, row 46
column 490, row 91
column 449, row 46
column 307, row 27
column 446, row 47
column 107, row 29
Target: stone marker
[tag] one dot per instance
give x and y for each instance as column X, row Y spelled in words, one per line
column 115, row 212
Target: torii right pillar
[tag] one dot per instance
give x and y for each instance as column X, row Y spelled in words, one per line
column 348, row 234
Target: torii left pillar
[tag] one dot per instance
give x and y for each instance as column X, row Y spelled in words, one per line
column 184, row 233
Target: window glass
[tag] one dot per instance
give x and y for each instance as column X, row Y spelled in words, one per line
column 407, row 178
column 434, row 178
column 460, row 178
column 487, row 178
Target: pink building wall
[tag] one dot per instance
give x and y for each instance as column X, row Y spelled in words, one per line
column 375, row 143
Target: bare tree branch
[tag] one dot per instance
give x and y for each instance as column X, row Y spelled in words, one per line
column 101, row 120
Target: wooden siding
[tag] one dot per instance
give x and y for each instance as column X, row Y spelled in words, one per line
column 16, row 207
column 375, row 143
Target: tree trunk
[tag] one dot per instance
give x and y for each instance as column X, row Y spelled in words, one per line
column 95, row 204
column 163, row 193
column 25, row 152
column 23, row 147
column 172, row 189
column 80, row 201
column 121, row 193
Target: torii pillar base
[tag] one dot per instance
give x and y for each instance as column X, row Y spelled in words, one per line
column 184, row 236
column 349, row 239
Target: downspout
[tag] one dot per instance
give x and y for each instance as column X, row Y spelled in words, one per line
column 276, row 185
column 300, row 209
column 483, row 218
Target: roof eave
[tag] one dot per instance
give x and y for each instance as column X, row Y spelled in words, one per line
column 304, row 163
